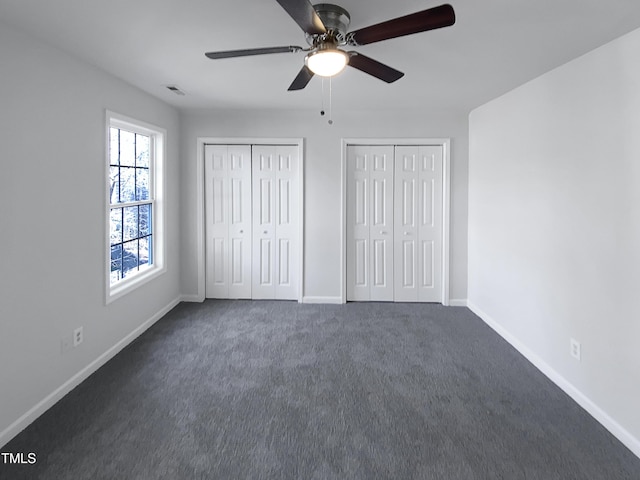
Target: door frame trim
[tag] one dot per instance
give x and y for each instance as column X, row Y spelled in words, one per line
column 200, row 201
column 445, row 143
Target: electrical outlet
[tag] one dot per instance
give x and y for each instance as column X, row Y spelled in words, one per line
column 575, row 349
column 66, row 344
column 78, row 336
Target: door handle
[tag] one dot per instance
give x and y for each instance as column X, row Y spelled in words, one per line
column 265, row 232
column 407, row 233
column 382, row 232
column 241, row 231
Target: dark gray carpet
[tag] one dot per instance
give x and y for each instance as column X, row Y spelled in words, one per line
column 279, row 390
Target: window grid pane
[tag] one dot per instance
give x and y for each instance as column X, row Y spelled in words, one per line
column 114, row 184
column 143, row 146
column 144, row 215
column 142, row 184
column 115, row 224
column 130, row 223
column 114, row 146
column 144, row 251
column 116, row 263
column 127, row 148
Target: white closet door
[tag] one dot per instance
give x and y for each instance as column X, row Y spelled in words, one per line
column 275, row 214
column 370, row 222
column 418, row 224
column 357, row 223
column 228, row 221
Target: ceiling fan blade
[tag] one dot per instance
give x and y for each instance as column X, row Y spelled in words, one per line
column 304, row 15
column 304, row 77
column 252, row 51
column 373, row 67
column 430, row 19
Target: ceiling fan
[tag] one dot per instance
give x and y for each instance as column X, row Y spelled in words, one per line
column 326, row 25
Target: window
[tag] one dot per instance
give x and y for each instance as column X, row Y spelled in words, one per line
column 134, row 163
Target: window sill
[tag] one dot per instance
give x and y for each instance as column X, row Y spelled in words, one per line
column 130, row 284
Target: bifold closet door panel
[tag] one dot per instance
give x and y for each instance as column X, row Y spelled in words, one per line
column 370, row 222
column 418, row 223
column 228, row 221
column 275, row 222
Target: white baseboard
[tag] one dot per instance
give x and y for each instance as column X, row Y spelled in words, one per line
column 192, row 298
column 457, row 302
column 46, row 403
column 332, row 300
column 617, row 430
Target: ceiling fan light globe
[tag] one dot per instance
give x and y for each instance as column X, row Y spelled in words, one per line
column 327, row 62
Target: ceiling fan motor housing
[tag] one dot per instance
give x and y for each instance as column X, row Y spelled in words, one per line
column 335, row 19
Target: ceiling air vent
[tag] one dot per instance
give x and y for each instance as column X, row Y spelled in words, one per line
column 175, row 90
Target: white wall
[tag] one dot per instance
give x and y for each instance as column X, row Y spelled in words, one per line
column 554, row 226
column 322, row 179
column 52, row 205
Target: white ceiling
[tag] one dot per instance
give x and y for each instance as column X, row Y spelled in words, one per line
column 494, row 46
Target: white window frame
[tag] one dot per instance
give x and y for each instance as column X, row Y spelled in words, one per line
column 158, row 138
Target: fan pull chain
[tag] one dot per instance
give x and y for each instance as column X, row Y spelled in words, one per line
column 330, row 101
column 322, row 100
column 322, row 112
